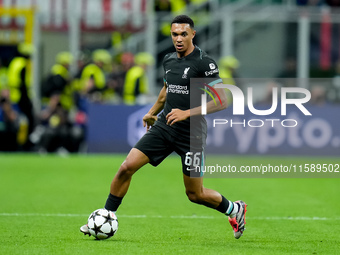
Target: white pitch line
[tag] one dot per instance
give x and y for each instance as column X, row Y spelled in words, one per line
column 302, row 218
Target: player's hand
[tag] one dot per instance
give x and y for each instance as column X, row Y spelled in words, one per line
column 176, row 115
column 149, row 120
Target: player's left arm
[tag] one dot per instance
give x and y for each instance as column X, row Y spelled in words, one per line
column 179, row 115
column 211, row 107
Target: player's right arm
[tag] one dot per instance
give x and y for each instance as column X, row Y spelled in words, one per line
column 150, row 118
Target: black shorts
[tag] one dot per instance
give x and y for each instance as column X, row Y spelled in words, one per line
column 157, row 144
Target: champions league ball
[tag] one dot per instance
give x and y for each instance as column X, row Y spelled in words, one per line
column 102, row 224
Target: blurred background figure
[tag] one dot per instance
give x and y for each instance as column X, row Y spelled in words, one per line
column 116, row 79
column 58, row 130
column 318, row 95
column 3, row 76
column 56, row 89
column 267, row 98
column 19, row 82
column 227, row 66
column 9, row 122
column 93, row 76
column 136, row 82
column 174, row 7
column 162, row 5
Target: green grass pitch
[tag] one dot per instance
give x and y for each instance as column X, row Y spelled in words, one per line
column 45, row 199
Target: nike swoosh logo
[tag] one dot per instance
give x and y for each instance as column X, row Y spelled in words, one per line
column 190, row 169
column 167, row 71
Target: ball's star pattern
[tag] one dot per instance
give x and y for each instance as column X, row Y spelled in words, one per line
column 96, row 229
column 106, row 218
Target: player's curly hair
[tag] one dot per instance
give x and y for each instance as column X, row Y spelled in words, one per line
column 183, row 19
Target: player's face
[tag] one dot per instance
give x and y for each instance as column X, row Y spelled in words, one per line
column 182, row 36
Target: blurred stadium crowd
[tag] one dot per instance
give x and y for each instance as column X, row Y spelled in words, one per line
column 61, row 123
column 109, row 75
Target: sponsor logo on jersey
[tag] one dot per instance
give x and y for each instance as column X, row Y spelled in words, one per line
column 212, row 66
column 207, row 73
column 185, row 74
column 177, row 89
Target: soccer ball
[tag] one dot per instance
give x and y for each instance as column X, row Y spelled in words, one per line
column 102, row 224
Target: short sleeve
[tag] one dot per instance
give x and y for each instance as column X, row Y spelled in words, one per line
column 166, row 57
column 209, row 68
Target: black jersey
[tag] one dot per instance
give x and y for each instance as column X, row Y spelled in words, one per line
column 177, row 75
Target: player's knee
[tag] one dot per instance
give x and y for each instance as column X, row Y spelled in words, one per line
column 194, row 197
column 126, row 169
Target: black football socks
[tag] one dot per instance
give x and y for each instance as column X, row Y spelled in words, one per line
column 113, row 202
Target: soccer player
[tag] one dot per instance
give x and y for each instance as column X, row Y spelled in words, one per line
column 171, row 131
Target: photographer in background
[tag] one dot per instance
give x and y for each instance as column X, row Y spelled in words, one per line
column 9, row 123
column 20, row 87
column 58, row 130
